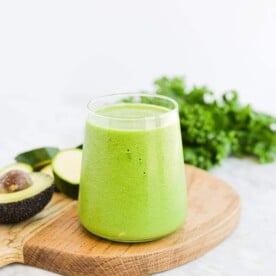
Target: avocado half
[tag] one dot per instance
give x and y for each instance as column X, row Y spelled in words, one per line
column 21, row 205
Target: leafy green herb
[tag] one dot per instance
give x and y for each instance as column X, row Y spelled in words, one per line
column 213, row 129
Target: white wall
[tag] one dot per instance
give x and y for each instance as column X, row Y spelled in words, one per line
column 61, row 53
column 102, row 46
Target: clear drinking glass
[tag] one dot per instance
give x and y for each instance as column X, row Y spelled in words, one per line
column 132, row 185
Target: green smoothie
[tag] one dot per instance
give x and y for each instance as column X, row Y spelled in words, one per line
column 132, row 183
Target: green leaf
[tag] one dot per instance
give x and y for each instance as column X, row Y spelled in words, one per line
column 214, row 128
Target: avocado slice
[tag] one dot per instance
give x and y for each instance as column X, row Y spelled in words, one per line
column 21, row 205
column 37, row 158
column 47, row 170
column 67, row 169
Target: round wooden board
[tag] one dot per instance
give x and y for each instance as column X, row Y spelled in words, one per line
column 63, row 246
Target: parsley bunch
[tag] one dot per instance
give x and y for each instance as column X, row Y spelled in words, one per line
column 213, row 129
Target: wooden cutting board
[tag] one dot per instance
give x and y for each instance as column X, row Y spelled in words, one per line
column 55, row 241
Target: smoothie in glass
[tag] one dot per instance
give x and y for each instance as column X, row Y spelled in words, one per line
column 132, row 182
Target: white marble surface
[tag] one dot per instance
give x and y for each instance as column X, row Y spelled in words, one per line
column 251, row 250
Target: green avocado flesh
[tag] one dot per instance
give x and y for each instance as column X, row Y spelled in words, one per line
column 66, row 168
column 21, row 205
column 47, row 170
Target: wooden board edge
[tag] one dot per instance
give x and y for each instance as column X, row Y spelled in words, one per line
column 140, row 264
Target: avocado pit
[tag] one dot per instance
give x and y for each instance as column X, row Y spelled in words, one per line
column 15, row 180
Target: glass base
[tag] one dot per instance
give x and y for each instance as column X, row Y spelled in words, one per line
column 126, row 241
column 130, row 241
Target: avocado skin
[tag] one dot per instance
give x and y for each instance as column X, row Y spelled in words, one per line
column 70, row 190
column 15, row 212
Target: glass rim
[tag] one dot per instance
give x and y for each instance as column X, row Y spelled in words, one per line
column 92, row 108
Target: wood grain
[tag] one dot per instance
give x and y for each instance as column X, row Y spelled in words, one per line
column 55, row 240
column 13, row 237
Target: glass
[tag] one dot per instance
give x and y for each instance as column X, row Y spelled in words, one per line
column 132, row 185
